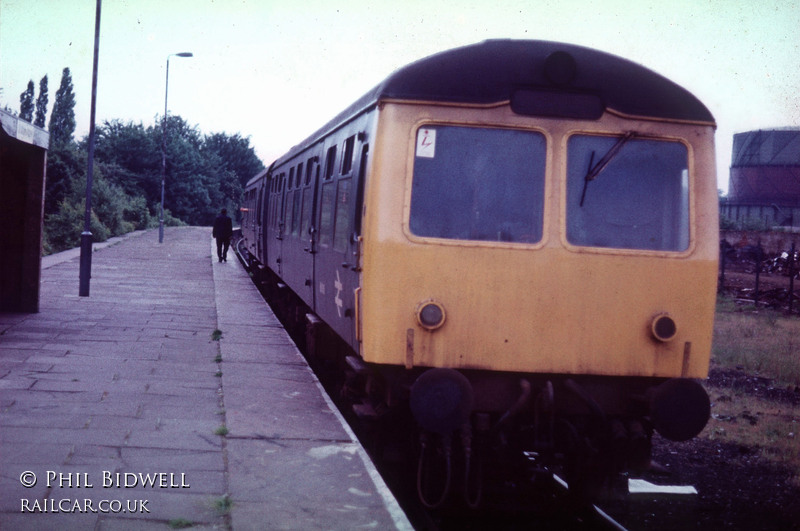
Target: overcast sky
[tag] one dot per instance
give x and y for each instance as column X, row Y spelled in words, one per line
column 275, row 70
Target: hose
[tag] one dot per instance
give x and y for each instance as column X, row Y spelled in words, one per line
column 466, row 441
column 421, row 466
column 524, row 397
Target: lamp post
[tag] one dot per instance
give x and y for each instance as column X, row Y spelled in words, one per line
column 164, row 147
column 85, row 271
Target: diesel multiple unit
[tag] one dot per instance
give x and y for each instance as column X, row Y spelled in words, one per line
column 517, row 241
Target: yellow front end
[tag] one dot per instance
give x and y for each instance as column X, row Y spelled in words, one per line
column 548, row 306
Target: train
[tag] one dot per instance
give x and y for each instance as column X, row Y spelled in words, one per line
column 513, row 243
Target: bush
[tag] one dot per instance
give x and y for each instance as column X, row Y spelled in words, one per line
column 63, row 229
column 751, row 223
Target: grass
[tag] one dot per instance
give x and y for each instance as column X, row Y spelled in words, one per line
column 762, row 343
column 773, row 430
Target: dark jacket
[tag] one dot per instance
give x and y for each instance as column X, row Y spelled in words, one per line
column 223, row 227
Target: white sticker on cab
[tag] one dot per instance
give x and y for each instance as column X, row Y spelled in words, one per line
column 426, row 143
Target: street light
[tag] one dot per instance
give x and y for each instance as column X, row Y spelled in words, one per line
column 85, row 271
column 164, row 147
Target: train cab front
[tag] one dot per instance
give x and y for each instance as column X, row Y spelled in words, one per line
column 550, row 258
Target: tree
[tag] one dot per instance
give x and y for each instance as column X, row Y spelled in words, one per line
column 133, row 157
column 41, row 103
column 26, row 103
column 65, row 165
column 235, row 162
column 236, row 155
column 62, row 120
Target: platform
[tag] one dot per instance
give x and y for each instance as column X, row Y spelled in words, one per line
column 122, row 410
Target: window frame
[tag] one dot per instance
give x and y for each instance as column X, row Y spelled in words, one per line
column 546, row 209
column 691, row 189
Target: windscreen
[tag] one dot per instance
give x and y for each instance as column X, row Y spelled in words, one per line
column 481, row 184
column 627, row 193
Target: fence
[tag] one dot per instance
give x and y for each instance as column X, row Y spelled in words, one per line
column 750, row 274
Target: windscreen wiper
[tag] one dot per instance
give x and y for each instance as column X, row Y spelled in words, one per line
column 594, row 170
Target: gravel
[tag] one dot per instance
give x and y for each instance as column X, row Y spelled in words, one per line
column 738, row 488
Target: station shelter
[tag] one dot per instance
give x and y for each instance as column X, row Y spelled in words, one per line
column 23, row 163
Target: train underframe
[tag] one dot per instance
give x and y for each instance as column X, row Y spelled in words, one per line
column 459, row 430
column 471, row 426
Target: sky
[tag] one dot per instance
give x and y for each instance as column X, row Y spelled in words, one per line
column 274, row 71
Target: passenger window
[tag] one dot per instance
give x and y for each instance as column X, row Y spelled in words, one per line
column 362, row 172
column 271, row 211
column 343, row 225
column 289, row 211
column 347, row 161
column 330, row 163
column 326, row 214
column 308, row 196
column 309, row 170
column 482, row 184
column 271, row 203
column 258, row 206
column 296, row 213
column 638, row 200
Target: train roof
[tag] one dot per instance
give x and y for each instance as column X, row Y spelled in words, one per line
column 537, row 76
column 492, row 71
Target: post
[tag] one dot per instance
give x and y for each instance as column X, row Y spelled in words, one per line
column 164, row 146
column 163, row 157
column 759, row 261
column 86, row 235
column 791, row 279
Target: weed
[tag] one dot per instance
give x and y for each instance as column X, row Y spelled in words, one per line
column 222, row 430
column 180, row 523
column 223, row 505
column 216, row 335
column 218, row 359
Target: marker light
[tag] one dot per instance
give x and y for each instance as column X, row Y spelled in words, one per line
column 663, row 327
column 430, row 315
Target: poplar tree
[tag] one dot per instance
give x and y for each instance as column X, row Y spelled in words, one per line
column 62, row 119
column 41, row 103
column 26, row 103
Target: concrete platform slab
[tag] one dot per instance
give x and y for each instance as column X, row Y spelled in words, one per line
column 129, row 383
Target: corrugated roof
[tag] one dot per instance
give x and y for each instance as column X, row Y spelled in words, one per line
column 23, row 131
column 771, row 147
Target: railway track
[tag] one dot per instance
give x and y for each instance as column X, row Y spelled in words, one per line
column 549, row 508
column 544, row 500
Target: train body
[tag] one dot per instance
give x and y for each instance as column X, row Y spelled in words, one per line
column 520, row 230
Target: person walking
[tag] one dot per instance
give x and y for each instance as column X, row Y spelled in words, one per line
column 223, row 230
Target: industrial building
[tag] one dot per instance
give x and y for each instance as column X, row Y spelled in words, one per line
column 764, row 181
